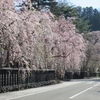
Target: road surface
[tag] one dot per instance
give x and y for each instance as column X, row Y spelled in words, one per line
column 85, row 89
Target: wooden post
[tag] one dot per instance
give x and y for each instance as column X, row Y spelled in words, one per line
column 18, row 76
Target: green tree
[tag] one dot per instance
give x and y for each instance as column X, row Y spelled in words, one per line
column 96, row 20
column 65, row 9
column 82, row 25
column 93, row 15
column 43, row 3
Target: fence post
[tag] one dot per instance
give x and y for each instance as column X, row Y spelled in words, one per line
column 18, row 76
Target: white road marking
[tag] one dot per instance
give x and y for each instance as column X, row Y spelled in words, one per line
column 80, row 93
column 83, row 91
column 97, row 84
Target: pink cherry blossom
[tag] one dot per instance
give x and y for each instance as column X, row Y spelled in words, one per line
column 35, row 39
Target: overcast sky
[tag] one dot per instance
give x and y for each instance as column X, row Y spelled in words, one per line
column 86, row 3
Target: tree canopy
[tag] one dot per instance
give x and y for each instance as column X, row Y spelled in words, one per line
column 68, row 11
column 43, row 3
column 91, row 14
column 64, row 9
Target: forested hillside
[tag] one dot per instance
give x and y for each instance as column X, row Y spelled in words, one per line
column 91, row 14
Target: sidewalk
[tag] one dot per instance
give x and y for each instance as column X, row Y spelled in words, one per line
column 21, row 93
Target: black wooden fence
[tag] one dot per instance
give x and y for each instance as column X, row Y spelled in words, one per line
column 14, row 78
column 80, row 75
column 83, row 75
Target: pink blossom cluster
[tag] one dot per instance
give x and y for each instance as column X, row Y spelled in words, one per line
column 35, row 39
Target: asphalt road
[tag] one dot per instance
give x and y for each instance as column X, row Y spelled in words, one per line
column 86, row 89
